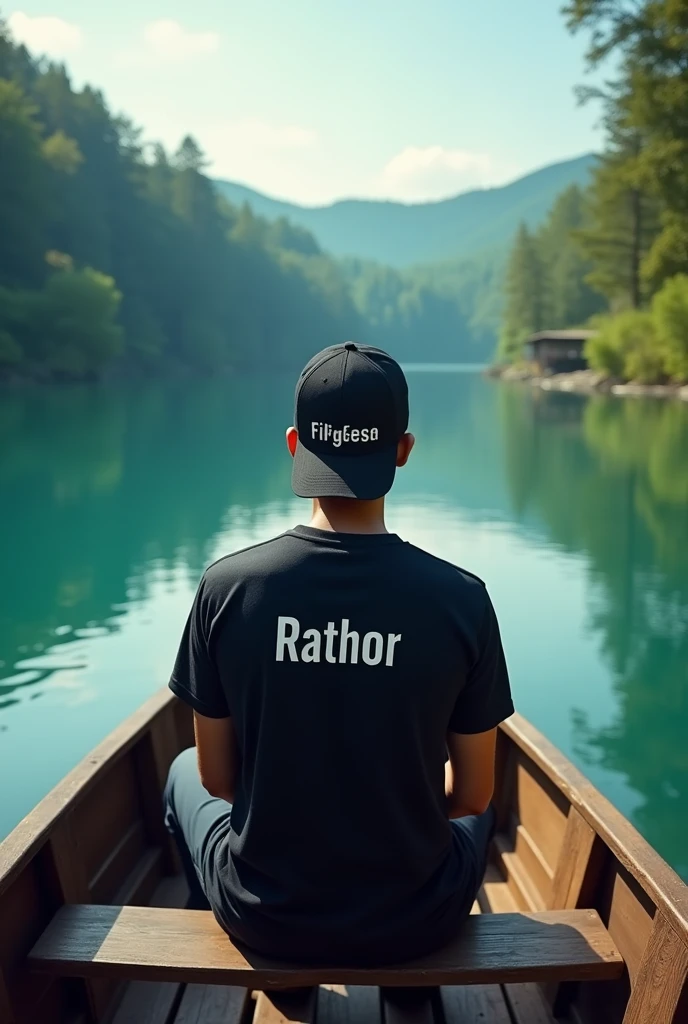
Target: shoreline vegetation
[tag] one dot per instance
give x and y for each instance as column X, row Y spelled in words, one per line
column 585, row 382
column 613, row 257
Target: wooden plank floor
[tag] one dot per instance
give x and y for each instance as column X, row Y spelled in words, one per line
column 169, row 1003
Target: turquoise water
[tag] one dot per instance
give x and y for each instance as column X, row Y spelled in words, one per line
column 575, row 511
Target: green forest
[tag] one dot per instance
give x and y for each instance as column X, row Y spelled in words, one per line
column 117, row 257
column 115, row 253
column 615, row 255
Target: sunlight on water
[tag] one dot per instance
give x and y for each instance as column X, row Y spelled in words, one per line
column 575, row 512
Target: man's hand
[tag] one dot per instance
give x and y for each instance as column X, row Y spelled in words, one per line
column 470, row 772
column 218, row 755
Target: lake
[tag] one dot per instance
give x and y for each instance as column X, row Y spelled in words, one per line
column 575, row 511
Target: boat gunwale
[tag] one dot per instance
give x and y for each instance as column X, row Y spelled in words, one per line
column 29, row 835
column 659, row 881
column 657, row 878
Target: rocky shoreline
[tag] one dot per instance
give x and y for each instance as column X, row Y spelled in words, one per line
column 589, row 382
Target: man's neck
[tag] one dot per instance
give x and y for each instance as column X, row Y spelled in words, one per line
column 348, row 515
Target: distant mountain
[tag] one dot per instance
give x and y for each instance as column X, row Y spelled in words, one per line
column 401, row 235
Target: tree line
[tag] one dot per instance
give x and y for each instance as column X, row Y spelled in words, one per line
column 113, row 251
column 616, row 255
column 118, row 256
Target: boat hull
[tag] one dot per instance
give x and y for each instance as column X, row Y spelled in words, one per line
column 98, row 837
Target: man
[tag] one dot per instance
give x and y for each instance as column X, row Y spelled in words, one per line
column 330, row 671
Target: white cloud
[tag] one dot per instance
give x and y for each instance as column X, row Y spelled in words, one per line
column 45, row 35
column 168, row 40
column 433, row 172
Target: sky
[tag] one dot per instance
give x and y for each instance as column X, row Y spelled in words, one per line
column 317, row 100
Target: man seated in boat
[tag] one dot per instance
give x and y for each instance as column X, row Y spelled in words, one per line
column 331, row 670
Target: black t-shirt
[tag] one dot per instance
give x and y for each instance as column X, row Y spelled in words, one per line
column 343, row 660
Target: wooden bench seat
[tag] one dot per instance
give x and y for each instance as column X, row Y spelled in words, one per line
column 162, row 944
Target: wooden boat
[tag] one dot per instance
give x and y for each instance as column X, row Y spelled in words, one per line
column 578, row 918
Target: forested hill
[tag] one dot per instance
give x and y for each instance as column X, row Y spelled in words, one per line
column 401, row 235
column 117, row 257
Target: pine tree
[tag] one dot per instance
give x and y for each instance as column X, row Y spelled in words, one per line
column 23, row 177
column 189, row 156
column 647, row 122
column 157, row 180
column 623, row 218
column 569, row 301
column 525, row 289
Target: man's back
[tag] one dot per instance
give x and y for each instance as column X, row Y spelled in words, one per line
column 343, row 661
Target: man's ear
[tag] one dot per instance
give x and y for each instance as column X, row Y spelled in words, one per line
column 292, row 438
column 404, row 449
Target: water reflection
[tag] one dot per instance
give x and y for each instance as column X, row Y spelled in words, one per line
column 113, row 499
column 103, row 489
column 610, row 479
column 645, row 445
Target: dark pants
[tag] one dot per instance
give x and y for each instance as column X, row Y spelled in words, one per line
column 199, row 822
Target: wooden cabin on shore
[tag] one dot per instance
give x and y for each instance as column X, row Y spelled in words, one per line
column 559, row 351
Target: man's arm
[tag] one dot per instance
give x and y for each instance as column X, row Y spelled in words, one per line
column 483, row 702
column 218, row 755
column 470, row 772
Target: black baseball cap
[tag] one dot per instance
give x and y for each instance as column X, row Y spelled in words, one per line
column 351, row 410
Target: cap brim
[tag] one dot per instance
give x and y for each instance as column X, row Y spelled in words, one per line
column 343, row 476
